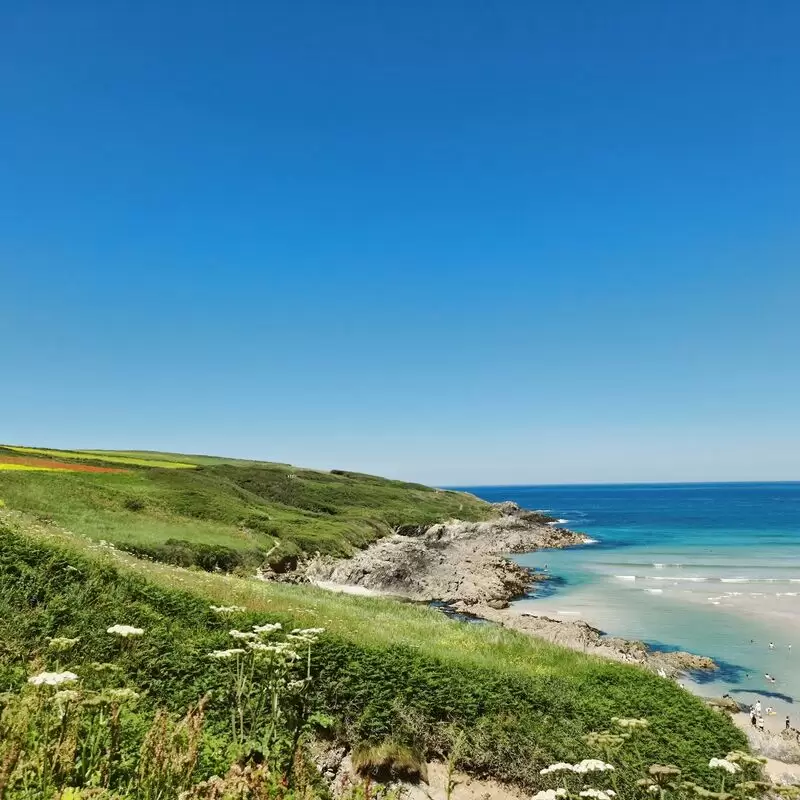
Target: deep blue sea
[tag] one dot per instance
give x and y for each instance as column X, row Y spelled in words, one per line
column 709, row 568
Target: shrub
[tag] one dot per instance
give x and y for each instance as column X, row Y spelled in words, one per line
column 389, row 761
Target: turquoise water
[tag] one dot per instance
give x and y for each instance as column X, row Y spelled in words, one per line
column 709, row 568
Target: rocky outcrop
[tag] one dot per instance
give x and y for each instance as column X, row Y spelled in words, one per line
column 464, row 565
column 579, row 635
column 452, row 562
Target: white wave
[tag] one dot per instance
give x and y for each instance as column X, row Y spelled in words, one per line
column 591, row 541
column 659, row 566
column 734, row 580
column 541, row 510
column 558, row 522
column 655, row 591
column 569, row 613
column 625, row 577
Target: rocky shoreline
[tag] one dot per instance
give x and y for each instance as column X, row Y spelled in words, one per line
column 464, row 565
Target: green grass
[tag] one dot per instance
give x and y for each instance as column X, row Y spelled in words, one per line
column 385, row 671
column 110, row 457
column 244, row 506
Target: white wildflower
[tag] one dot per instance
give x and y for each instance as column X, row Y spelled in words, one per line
column 52, row 678
column 723, row 763
column 227, row 609
column 653, row 789
column 121, row 695
column 591, row 765
column 125, row 630
column 550, row 794
column 66, row 696
column 62, row 642
column 561, row 766
column 243, row 634
column 221, row 654
column 598, row 794
column 308, row 631
column 270, row 627
column 258, row 646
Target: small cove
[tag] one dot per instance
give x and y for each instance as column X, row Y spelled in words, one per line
column 709, row 568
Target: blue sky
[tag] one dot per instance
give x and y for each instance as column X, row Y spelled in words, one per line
column 459, row 242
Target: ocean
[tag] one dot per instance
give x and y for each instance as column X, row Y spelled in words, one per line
column 709, row 568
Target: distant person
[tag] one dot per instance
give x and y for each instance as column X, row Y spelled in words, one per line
column 758, row 707
column 753, row 717
column 787, row 723
column 771, row 645
column 770, row 678
column 770, row 712
column 761, row 724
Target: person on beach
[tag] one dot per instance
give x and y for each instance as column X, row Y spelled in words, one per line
column 761, row 724
column 771, row 645
column 787, row 723
column 770, row 712
column 752, row 716
column 758, row 707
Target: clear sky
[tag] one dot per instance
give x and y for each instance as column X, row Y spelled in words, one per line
column 456, row 241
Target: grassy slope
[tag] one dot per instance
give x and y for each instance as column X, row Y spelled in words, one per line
column 383, row 668
column 247, row 506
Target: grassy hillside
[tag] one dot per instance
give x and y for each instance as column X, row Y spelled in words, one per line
column 383, row 671
column 216, row 511
column 384, row 674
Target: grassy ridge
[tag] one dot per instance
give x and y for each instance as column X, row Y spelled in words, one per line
column 250, row 508
column 384, row 670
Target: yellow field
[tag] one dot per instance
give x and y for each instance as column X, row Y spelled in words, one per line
column 87, row 455
column 28, row 468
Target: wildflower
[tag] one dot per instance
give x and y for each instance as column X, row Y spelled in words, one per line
column 293, row 685
column 623, row 722
column 653, row 789
column 60, row 643
column 722, row 763
column 258, row 646
column 124, row 695
column 268, row 628
column 125, row 630
column 605, row 740
column 66, row 696
column 242, row 634
column 308, row 631
column 591, row 765
column 561, row 766
column 221, row 654
column 598, row 794
column 550, row 794
column 227, row 609
column 52, row 678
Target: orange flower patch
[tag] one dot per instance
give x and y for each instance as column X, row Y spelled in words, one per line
column 44, row 463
